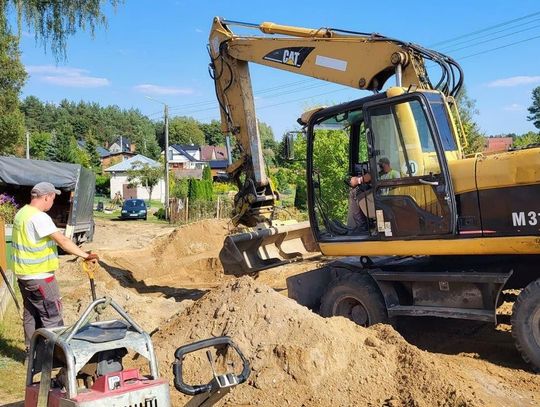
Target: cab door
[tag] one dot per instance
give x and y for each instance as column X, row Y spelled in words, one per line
column 412, row 189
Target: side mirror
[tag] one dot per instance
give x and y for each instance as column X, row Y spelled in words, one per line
column 289, row 146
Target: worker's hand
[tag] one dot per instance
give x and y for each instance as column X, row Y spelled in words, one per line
column 92, row 257
column 362, row 179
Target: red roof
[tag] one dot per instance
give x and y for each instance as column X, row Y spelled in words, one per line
column 494, row 144
column 211, row 153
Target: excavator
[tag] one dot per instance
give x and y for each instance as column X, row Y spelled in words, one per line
column 408, row 223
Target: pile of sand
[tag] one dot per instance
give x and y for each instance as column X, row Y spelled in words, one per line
column 300, row 359
column 148, row 312
column 187, row 257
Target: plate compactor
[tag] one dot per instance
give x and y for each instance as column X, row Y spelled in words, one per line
column 86, row 360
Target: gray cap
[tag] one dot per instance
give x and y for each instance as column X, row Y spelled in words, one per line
column 44, row 188
column 384, row 160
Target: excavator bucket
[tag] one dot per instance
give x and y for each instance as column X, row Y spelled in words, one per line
column 247, row 253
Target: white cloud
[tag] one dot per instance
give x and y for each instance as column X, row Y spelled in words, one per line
column 162, row 90
column 66, row 76
column 514, row 107
column 514, row 81
column 198, row 30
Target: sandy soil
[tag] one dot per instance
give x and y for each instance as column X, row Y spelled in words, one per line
column 171, row 282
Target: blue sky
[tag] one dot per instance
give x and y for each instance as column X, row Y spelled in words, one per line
column 157, row 48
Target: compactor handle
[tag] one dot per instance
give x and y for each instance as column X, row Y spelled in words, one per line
column 182, row 351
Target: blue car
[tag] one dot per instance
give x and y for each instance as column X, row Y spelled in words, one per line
column 134, row 209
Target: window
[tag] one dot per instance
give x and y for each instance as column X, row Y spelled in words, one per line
column 402, row 138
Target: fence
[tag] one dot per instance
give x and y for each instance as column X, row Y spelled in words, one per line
column 186, row 211
column 5, row 295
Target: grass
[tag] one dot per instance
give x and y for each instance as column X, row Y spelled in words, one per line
column 152, row 207
column 12, row 369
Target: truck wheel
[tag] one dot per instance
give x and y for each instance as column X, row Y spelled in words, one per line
column 357, row 297
column 526, row 324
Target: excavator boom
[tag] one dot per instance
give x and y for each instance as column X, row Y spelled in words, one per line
column 354, row 59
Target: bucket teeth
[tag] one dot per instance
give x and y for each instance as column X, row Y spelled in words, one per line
column 250, row 252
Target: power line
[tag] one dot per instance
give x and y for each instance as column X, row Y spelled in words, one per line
column 443, row 49
column 274, row 88
column 493, row 39
column 288, row 91
column 502, row 46
column 486, row 29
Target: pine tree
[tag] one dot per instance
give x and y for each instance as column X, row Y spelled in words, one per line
column 91, row 150
column 534, row 110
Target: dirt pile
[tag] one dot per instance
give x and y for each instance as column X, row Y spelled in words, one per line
column 301, row 359
column 77, row 296
column 186, row 257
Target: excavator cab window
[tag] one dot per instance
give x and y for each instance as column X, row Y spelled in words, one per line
column 338, row 152
column 412, row 192
column 398, row 147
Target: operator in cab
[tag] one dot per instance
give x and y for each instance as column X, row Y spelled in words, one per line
column 361, row 203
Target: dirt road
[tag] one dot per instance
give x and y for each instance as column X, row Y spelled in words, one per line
column 157, row 272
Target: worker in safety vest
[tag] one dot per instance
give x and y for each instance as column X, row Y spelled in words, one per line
column 35, row 259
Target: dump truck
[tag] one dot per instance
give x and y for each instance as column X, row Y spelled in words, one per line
column 443, row 236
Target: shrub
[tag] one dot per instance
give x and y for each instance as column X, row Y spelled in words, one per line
column 160, row 213
column 8, row 208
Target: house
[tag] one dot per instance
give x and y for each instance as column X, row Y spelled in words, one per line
column 185, row 157
column 102, row 152
column 217, row 159
column 497, row 144
column 213, row 153
column 115, row 158
column 122, row 144
column 120, row 183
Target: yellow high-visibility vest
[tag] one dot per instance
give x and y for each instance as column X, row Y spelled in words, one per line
column 29, row 257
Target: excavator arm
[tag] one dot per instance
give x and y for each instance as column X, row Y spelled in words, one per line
column 359, row 60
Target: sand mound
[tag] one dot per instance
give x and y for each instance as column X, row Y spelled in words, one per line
column 186, row 257
column 77, row 297
column 299, row 358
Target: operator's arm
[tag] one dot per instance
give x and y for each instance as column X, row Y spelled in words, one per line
column 363, row 179
column 68, row 246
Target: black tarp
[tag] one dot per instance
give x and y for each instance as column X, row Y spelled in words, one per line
column 64, row 176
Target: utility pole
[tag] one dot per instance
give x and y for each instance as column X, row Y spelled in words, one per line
column 27, row 145
column 166, row 114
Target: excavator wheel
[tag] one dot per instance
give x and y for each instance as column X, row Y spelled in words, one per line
column 355, row 296
column 526, row 324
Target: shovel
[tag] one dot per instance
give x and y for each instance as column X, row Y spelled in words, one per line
column 90, row 267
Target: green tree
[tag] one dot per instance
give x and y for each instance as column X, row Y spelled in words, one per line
column 62, row 148
column 526, row 139
column 467, row 111
column 534, row 109
column 145, row 175
column 54, row 21
column 93, row 156
column 212, row 133
column 39, row 143
column 13, row 76
column 185, row 130
column 34, row 111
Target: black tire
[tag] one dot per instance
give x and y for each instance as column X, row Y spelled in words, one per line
column 355, row 296
column 526, row 324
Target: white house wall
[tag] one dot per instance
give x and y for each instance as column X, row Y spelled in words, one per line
column 119, row 179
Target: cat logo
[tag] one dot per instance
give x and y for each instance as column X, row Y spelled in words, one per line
column 289, row 56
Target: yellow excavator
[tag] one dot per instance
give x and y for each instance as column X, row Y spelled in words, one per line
column 418, row 228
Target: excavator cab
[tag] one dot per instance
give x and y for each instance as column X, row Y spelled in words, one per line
column 403, row 142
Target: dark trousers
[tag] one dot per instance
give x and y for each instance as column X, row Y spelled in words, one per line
column 42, row 305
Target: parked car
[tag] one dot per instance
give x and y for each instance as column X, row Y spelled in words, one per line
column 134, row 209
